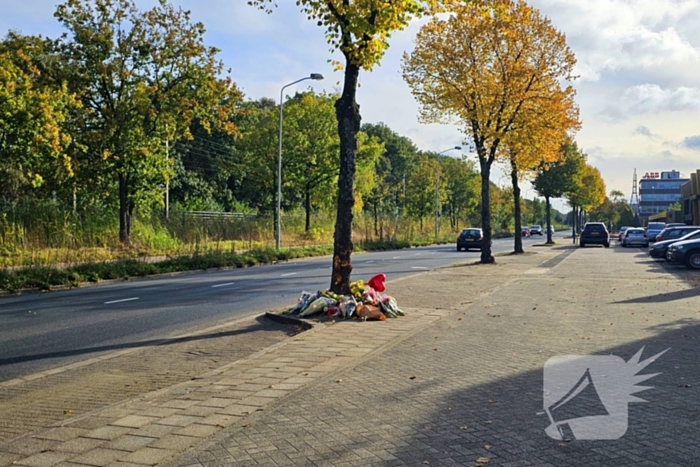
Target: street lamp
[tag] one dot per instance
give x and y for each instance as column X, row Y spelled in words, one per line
column 278, row 223
column 498, row 204
column 437, row 190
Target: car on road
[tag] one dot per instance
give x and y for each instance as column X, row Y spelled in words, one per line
column 551, row 229
column 635, row 236
column 659, row 249
column 594, row 233
column 536, row 229
column 470, row 238
column 686, row 252
column 676, row 232
column 525, row 232
column 622, row 232
column 653, row 229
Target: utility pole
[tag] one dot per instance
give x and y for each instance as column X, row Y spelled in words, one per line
column 167, row 180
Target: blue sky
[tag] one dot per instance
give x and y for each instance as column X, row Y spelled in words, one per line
column 638, row 61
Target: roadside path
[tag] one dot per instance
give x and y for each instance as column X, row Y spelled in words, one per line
column 160, row 424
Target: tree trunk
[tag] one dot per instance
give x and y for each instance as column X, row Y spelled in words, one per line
column 307, row 208
column 348, row 113
column 518, row 245
column 486, row 256
column 124, row 221
column 548, row 209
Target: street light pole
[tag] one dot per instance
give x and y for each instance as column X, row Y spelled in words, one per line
column 498, row 205
column 437, row 190
column 278, row 217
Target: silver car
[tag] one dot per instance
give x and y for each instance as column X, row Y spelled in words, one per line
column 635, row 236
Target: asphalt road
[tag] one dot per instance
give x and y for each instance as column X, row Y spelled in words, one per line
column 43, row 331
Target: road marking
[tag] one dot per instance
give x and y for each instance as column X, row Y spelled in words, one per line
column 396, row 257
column 222, row 285
column 418, row 267
column 122, row 300
column 288, row 274
column 370, row 261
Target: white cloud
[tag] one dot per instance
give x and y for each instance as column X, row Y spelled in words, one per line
column 652, row 98
column 611, row 35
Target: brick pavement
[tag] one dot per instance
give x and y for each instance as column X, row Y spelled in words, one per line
column 467, row 390
column 158, row 425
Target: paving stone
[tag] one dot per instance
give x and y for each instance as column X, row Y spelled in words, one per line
column 28, row 446
column 179, row 420
column 44, row 459
column 133, row 421
column 63, row 433
column 107, row 432
column 176, row 442
column 149, row 456
column 79, row 445
column 129, row 443
column 197, row 430
column 99, row 457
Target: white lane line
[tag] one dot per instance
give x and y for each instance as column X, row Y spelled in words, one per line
column 122, row 300
column 288, row 274
column 370, row 261
column 221, row 285
column 418, row 267
column 396, row 257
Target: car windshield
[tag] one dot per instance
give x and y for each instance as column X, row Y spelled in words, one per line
column 656, row 226
column 471, row 233
column 690, row 236
column 594, row 227
column 635, row 231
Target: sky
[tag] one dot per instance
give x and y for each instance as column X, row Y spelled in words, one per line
column 638, row 63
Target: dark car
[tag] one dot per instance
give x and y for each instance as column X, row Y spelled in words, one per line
column 670, row 233
column 470, row 238
column 594, row 233
column 658, row 250
column 686, row 252
column 654, row 229
column 525, row 232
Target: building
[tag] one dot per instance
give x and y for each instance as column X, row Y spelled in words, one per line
column 690, row 199
column 658, row 191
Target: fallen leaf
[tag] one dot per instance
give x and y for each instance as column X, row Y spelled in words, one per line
column 463, row 427
column 426, row 462
column 339, row 381
column 484, row 460
column 488, row 446
column 488, row 422
column 271, row 386
column 412, row 377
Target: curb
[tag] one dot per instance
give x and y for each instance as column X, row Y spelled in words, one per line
column 289, row 320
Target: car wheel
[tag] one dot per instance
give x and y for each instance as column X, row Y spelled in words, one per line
column 459, row 249
column 466, row 249
column 606, row 245
column 582, row 245
column 692, row 259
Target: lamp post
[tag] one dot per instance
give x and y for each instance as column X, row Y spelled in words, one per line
column 532, row 204
column 437, row 190
column 498, row 204
column 278, row 223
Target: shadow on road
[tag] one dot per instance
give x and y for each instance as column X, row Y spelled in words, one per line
column 262, row 324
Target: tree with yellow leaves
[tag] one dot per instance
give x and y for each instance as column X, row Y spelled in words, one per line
column 536, row 138
column 482, row 67
column 360, row 30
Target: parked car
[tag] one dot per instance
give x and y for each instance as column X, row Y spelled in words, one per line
column 670, row 233
column 470, row 238
column 686, row 252
column 594, row 233
column 654, row 228
column 659, row 249
column 635, row 236
column 525, row 232
column 536, row 229
column 622, row 232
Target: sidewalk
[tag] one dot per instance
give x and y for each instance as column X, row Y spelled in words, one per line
column 163, row 423
column 459, row 379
